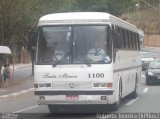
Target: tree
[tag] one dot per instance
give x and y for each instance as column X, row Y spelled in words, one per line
column 18, row 17
column 115, row 7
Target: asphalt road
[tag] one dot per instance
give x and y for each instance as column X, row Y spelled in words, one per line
column 148, row 101
column 22, row 73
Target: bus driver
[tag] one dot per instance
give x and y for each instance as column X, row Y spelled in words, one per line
column 97, row 54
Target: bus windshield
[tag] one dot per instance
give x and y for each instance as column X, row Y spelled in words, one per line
column 81, row 44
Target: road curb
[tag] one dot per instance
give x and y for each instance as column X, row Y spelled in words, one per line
column 19, row 66
column 17, row 94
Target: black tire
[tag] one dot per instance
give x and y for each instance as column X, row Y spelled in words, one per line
column 51, row 108
column 134, row 94
column 116, row 105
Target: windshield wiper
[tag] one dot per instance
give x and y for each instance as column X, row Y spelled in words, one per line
column 87, row 62
column 56, row 63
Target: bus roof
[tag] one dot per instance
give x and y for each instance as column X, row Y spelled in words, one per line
column 5, row 50
column 82, row 18
column 76, row 15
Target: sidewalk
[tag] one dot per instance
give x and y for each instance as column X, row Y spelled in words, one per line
column 18, row 66
column 19, row 87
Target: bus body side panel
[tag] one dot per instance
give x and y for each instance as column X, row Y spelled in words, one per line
column 127, row 65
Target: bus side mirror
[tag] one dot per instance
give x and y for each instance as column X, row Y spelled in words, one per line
column 116, row 42
column 31, row 46
column 31, row 40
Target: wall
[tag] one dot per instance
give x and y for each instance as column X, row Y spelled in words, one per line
column 151, row 40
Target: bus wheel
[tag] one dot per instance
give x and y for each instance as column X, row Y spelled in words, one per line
column 116, row 105
column 51, row 108
column 134, row 94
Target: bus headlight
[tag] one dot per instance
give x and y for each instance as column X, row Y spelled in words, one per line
column 44, row 85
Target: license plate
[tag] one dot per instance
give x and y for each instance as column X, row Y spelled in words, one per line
column 72, row 97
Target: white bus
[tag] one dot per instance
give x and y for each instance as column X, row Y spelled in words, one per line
column 85, row 59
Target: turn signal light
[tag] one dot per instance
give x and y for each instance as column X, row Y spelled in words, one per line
column 109, row 85
column 103, row 85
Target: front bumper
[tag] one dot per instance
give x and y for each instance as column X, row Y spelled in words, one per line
column 74, row 97
column 75, row 92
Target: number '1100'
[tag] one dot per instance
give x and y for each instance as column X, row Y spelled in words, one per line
column 96, row 75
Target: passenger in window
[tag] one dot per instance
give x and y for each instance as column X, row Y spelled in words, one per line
column 98, row 54
column 58, row 55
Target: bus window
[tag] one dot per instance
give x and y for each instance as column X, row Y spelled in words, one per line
column 54, row 45
column 109, row 41
column 73, row 45
column 90, row 45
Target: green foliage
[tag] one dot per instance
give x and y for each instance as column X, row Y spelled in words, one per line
column 17, row 17
column 52, row 6
column 115, row 7
column 15, row 20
